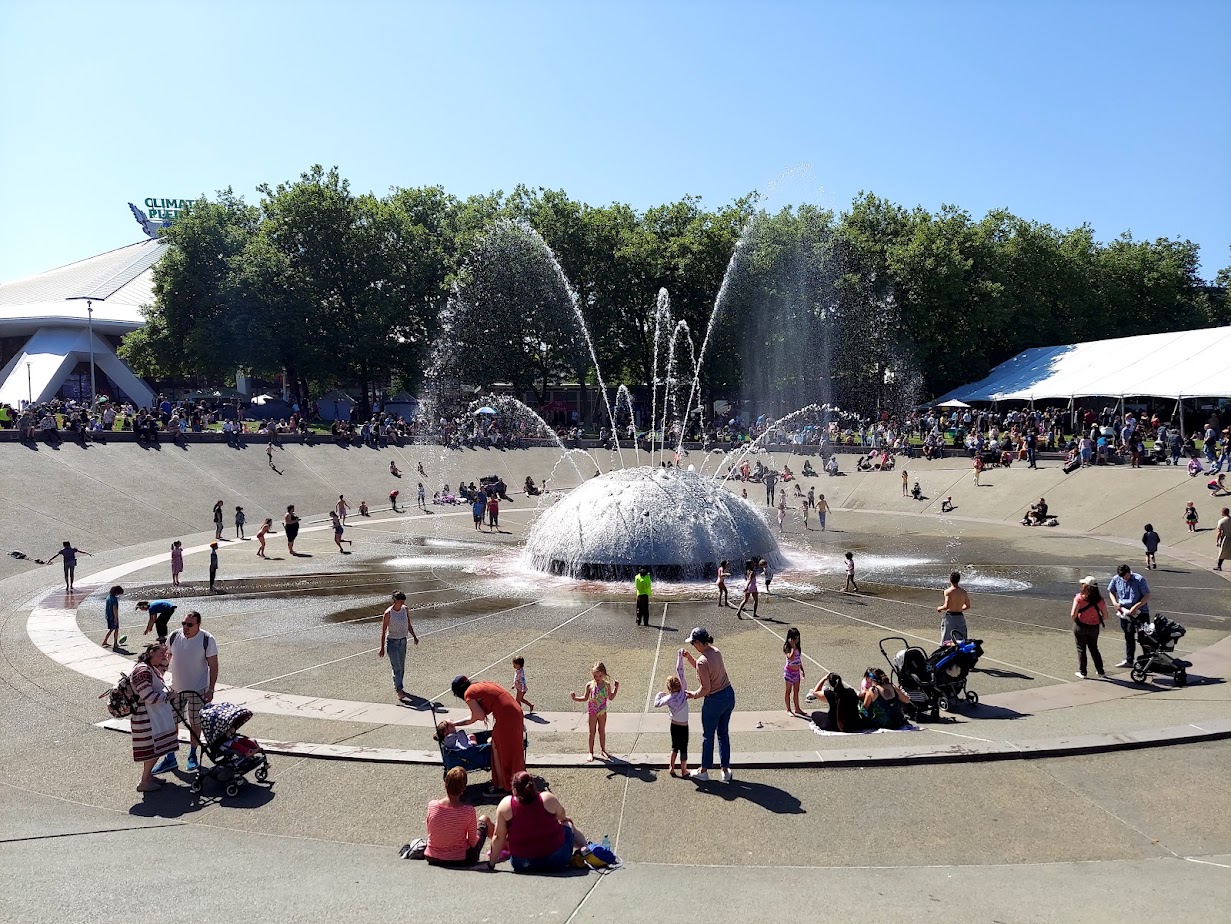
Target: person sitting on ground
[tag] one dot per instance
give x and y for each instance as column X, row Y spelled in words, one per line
column 946, row 505
column 1194, row 467
column 808, row 471
column 540, row 836
column 455, row 831
column 882, row 705
column 916, row 492
column 393, row 469
column 843, row 713
column 1037, row 514
column 831, row 467
column 363, row 508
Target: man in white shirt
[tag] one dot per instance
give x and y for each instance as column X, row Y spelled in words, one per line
column 194, row 673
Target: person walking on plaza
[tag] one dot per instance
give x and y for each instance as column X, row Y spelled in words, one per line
column 69, row 553
column 851, row 586
column 822, row 508
column 395, row 628
column 261, row 533
column 718, row 702
column 338, row 529
column 1130, row 595
column 177, row 562
column 771, row 481
column 341, row 508
column 1089, row 614
column 978, row 467
column 1190, row 516
column 493, row 513
column 1223, row 538
column 752, row 571
column 193, row 656
column 1151, row 541
column 218, row 520
column 213, row 566
column 642, row 583
column 290, row 526
column 240, row 520
column 421, row 500
column 955, row 605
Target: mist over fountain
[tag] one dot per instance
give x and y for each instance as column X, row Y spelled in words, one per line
column 666, row 515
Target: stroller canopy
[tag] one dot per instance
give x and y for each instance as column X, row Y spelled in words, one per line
column 221, row 720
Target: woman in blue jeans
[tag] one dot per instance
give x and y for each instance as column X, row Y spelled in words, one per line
column 718, row 703
column 395, row 628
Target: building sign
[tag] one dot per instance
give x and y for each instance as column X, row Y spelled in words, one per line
column 160, row 214
column 166, row 209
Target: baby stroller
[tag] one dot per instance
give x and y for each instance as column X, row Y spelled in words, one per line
column 950, row 665
column 910, row 670
column 1157, row 638
column 231, row 754
column 476, row 757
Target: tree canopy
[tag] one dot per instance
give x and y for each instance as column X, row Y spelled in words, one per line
column 335, row 288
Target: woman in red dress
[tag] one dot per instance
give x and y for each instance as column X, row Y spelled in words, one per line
column 489, row 699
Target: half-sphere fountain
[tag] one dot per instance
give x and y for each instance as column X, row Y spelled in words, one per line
column 679, row 523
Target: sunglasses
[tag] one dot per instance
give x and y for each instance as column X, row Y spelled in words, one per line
column 188, row 624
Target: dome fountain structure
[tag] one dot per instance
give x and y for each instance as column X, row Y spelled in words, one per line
column 677, row 522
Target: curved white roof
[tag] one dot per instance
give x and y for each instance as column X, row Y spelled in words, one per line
column 118, row 282
column 1183, row 364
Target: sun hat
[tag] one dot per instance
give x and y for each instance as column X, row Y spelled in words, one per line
column 1089, row 580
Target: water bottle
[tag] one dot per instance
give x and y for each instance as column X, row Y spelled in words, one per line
column 607, row 843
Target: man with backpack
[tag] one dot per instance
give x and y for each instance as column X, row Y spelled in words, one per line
column 194, row 673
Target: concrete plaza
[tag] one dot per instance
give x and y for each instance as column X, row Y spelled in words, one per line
column 963, row 820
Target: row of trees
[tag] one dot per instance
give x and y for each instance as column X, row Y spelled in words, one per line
column 360, row 290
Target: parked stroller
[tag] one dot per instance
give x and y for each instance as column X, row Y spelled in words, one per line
column 232, row 756
column 936, row 682
column 951, row 665
column 1157, row 636
column 476, row 757
column 910, row 670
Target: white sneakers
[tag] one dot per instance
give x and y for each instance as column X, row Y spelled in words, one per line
column 726, row 776
column 702, row 776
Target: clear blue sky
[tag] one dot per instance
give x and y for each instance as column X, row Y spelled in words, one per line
column 1116, row 113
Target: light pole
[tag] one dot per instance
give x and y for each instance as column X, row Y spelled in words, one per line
column 29, row 385
column 89, row 309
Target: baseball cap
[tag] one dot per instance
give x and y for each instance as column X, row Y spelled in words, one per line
column 700, row 635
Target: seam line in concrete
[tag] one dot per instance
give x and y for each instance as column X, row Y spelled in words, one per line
column 48, row 837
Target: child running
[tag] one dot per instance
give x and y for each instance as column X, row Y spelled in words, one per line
column 519, row 684
column 1190, row 516
column 599, row 692
column 265, row 530
column 336, row 521
column 724, row 572
column 851, row 586
column 793, row 671
column 676, row 700
column 1151, row 541
column 751, row 591
column 765, row 569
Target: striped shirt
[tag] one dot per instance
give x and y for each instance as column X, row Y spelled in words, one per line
column 451, row 830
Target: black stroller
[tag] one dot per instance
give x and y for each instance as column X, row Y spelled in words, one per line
column 910, row 670
column 231, row 755
column 1157, row 636
column 951, row 665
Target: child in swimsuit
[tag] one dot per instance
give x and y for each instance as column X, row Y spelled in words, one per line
column 793, row 670
column 723, row 573
column 599, row 692
column 519, row 682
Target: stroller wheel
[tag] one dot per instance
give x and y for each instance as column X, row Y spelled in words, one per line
column 943, row 704
column 262, row 774
column 197, row 785
column 972, row 697
column 1138, row 676
column 232, row 790
column 1181, row 678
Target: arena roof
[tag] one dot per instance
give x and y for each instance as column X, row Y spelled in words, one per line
column 1183, row 364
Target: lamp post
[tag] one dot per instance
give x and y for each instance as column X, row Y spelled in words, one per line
column 29, row 385
column 89, row 308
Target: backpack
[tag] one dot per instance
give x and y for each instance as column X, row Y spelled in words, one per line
column 122, row 699
column 595, row 856
column 204, row 643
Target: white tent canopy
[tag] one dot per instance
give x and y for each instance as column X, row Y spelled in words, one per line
column 1184, row 364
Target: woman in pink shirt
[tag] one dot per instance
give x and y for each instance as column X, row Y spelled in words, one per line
column 455, row 832
column 1089, row 614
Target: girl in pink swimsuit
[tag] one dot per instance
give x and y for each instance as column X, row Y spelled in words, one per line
column 793, row 670
column 599, row 692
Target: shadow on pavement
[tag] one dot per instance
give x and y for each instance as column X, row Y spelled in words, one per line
column 770, row 798
column 174, row 801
